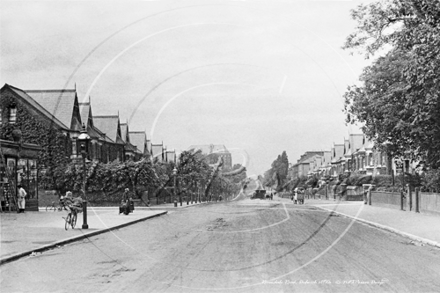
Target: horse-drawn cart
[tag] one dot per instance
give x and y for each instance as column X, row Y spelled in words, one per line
column 261, row 194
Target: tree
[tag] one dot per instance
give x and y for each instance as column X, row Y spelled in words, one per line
column 277, row 174
column 398, row 100
column 236, row 174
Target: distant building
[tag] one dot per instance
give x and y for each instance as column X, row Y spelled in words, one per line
column 219, row 150
column 302, row 166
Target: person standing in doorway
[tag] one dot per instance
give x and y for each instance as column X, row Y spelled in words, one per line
column 21, row 199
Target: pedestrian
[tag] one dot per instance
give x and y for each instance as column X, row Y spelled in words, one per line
column 295, row 195
column 301, row 197
column 125, row 202
column 21, row 199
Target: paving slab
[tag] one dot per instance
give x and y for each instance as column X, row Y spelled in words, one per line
column 24, row 233
column 420, row 227
column 417, row 226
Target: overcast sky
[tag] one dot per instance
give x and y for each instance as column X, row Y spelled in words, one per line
column 259, row 77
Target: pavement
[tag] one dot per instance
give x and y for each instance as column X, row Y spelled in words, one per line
column 421, row 228
column 31, row 232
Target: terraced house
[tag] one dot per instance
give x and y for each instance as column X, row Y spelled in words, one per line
column 39, row 131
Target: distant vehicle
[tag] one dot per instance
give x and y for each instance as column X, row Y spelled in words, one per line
column 261, row 194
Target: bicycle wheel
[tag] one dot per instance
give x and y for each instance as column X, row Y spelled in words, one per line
column 68, row 220
column 73, row 220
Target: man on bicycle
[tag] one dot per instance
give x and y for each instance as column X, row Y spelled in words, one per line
column 74, row 205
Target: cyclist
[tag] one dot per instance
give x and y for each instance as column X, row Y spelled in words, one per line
column 74, row 205
column 66, row 199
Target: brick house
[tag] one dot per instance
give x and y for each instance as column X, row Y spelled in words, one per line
column 51, row 137
column 111, row 127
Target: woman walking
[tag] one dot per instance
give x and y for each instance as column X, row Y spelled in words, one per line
column 21, row 199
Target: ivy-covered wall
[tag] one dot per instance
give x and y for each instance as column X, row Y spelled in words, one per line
column 36, row 129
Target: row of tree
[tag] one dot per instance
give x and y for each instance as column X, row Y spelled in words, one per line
column 398, row 100
column 106, row 181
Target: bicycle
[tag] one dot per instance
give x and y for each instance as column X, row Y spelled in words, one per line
column 72, row 216
column 71, row 219
column 61, row 205
column 54, row 206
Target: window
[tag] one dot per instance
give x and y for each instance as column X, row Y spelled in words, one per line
column 12, row 115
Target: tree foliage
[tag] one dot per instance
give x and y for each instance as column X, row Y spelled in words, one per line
column 277, row 174
column 399, row 98
column 109, row 180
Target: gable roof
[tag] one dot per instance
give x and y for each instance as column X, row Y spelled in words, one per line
column 29, row 100
column 125, row 132
column 171, row 156
column 337, row 152
column 60, row 103
column 157, row 150
column 109, row 125
column 310, row 159
column 139, row 139
column 149, row 146
column 85, row 110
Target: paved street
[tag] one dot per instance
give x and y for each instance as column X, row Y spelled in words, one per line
column 241, row 246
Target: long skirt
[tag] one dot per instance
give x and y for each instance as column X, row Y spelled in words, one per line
column 21, row 203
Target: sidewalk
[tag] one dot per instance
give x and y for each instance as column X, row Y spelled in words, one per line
column 424, row 228
column 22, row 234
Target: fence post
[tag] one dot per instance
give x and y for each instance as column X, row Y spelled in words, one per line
column 408, row 198
column 417, row 199
column 326, row 191
column 402, row 197
column 369, row 196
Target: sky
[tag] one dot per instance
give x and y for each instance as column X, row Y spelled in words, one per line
column 260, row 77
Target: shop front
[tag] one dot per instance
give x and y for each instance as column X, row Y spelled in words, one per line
column 18, row 165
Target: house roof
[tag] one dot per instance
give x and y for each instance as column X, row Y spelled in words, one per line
column 85, row 111
column 139, row 139
column 156, row 150
column 171, row 155
column 109, row 125
column 131, row 148
column 59, row 103
column 21, row 93
column 125, row 132
column 149, row 146
column 338, row 152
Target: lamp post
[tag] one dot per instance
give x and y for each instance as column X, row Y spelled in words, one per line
column 83, row 139
column 174, row 189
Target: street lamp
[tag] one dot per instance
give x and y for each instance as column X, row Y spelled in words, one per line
column 174, row 189
column 83, row 140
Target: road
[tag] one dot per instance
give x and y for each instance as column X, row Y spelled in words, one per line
column 240, row 246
